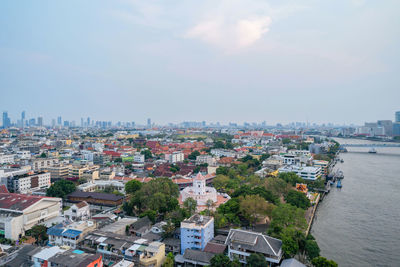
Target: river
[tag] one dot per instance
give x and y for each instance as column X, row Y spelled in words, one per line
column 359, row 225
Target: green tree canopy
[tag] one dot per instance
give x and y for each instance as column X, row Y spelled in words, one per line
column 220, row 260
column 61, row 189
column 190, row 205
column 254, row 206
column 147, row 154
column 323, row 262
column 312, row 249
column 286, row 215
column 194, row 155
column 297, row 199
column 256, row 260
column 132, row 186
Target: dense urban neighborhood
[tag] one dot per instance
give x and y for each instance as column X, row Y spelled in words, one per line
column 178, row 195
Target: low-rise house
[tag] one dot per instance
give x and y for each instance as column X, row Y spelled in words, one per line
column 241, row 244
column 194, row 257
column 141, row 227
column 78, row 212
column 70, row 235
column 95, row 198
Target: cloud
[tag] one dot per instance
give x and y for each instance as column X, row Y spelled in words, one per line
column 230, row 34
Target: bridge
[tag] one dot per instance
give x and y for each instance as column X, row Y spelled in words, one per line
column 371, row 145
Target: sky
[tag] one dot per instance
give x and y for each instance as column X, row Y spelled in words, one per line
column 220, row 61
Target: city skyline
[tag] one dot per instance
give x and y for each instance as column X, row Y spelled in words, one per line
column 215, row 60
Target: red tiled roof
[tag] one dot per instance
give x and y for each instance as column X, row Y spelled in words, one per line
column 18, row 202
column 3, row 189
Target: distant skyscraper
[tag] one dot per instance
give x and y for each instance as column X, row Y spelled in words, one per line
column 40, row 121
column 6, row 120
column 397, row 116
column 88, row 121
column 149, row 123
column 23, row 119
column 82, row 123
column 59, row 120
column 53, row 122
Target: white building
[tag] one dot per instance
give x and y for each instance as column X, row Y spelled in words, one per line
column 24, row 154
column 78, row 212
column 307, row 173
column 19, row 212
column 223, row 153
column 210, row 160
column 175, row 157
column 96, row 185
column 26, row 183
column 42, row 164
column 6, row 158
column 138, row 158
column 241, row 244
column 202, row 193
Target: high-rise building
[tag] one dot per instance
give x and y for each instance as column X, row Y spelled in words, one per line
column 6, row 120
column 196, row 232
column 387, row 125
column 397, row 116
column 88, row 122
column 59, row 120
column 23, row 119
column 396, row 129
column 149, row 123
column 40, row 121
column 53, row 122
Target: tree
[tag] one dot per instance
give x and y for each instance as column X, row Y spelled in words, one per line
column 147, row 154
column 61, row 189
column 43, row 155
column 323, row 262
column 298, row 199
column 286, row 141
column 39, row 232
column 286, row 215
column 256, row 260
column 190, row 204
column 252, row 206
column 169, row 229
column 220, row 182
column 291, row 178
column 151, row 214
column 220, row 260
column 169, row 260
column 194, row 155
column 210, row 205
column 132, row 186
column 292, row 241
column 278, row 186
column 312, row 249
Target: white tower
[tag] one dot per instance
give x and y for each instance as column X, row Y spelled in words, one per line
column 199, row 184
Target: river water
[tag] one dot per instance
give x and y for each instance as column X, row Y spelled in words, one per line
column 359, row 225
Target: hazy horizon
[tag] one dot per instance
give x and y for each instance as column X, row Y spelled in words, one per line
column 217, row 61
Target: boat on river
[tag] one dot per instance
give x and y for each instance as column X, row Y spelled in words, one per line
column 372, row 151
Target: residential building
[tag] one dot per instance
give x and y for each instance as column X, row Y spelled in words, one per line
column 29, row 182
column 78, row 212
column 59, row 172
column 196, row 232
column 18, row 212
column 42, row 164
column 70, row 234
column 241, row 244
column 307, row 173
column 138, row 158
column 175, row 157
column 24, row 154
column 141, row 227
column 323, row 164
column 6, row 158
column 202, row 159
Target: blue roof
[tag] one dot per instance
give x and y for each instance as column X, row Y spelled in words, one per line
column 70, row 233
column 55, row 231
column 77, row 251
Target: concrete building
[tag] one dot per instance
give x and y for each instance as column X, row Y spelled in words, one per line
column 138, row 158
column 175, row 157
column 307, row 173
column 387, row 126
column 78, row 212
column 210, row 160
column 59, row 172
column 18, row 212
column 323, row 164
column 397, row 116
column 241, row 244
column 6, row 158
column 196, row 232
column 27, row 183
column 43, row 164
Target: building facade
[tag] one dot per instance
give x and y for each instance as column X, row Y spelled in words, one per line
column 196, row 232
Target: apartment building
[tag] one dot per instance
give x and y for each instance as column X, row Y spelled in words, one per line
column 59, row 172
column 43, row 164
column 196, row 232
column 6, row 158
column 26, row 183
column 307, row 173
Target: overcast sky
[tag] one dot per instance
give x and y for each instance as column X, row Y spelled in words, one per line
column 234, row 60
